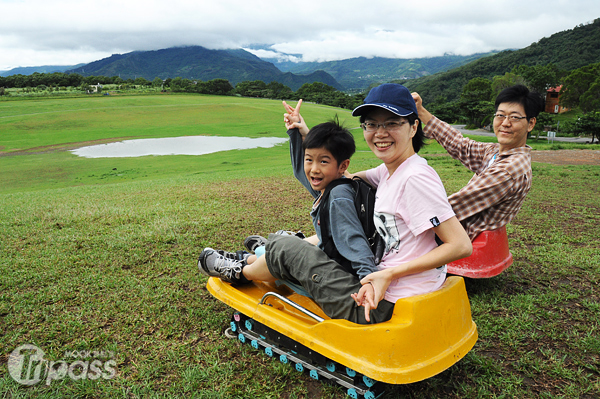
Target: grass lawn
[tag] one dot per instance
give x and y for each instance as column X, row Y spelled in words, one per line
column 100, row 255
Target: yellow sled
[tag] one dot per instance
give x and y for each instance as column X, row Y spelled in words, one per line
column 426, row 334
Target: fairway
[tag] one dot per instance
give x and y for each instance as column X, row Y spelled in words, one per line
column 98, row 258
column 44, row 129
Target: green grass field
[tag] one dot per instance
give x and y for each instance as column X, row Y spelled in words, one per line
column 100, row 255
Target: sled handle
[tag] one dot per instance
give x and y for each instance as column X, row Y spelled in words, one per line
column 292, row 304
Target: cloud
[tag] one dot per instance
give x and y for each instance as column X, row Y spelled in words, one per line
column 67, row 32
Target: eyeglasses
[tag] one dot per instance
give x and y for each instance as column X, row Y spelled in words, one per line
column 511, row 118
column 391, row 126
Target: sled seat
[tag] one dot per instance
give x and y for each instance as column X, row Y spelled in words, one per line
column 490, row 256
column 426, row 335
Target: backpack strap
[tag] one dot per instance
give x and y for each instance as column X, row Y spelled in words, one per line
column 328, row 244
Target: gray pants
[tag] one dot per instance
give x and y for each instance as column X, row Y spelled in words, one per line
column 330, row 285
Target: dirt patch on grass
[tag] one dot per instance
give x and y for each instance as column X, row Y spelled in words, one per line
column 567, row 157
column 61, row 147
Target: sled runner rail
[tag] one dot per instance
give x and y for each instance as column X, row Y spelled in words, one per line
column 292, row 304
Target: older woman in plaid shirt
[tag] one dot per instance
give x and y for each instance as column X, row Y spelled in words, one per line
column 502, row 170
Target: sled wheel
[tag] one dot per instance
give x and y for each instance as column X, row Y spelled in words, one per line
column 254, row 344
column 330, row 366
column 269, row 352
column 350, row 372
column 249, row 325
column 314, row 375
column 368, row 381
column 369, row 395
column 233, row 326
column 299, row 367
column 352, row 393
column 283, row 359
column 242, row 338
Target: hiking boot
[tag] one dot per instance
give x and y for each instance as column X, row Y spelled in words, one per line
column 299, row 234
column 240, row 255
column 253, row 242
column 213, row 264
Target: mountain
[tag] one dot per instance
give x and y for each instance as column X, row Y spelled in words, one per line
column 40, row 69
column 196, row 62
column 361, row 72
column 567, row 50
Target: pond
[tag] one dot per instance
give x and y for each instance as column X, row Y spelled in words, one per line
column 188, row 145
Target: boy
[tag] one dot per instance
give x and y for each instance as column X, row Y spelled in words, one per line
column 318, row 158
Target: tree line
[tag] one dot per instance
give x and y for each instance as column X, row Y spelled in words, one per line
column 316, row 92
column 474, row 106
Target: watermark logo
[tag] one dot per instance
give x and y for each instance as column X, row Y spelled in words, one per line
column 27, row 365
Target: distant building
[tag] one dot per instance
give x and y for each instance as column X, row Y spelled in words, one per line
column 96, row 87
column 552, row 101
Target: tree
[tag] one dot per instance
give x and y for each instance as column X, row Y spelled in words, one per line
column 446, row 111
column 85, row 87
column 157, row 82
column 180, row 85
column 316, row 92
column 577, row 83
column 543, row 119
column 256, row 88
column 279, row 91
column 475, row 101
column 590, row 100
column 502, row 82
column 142, row 82
column 219, row 87
column 589, row 124
column 539, row 77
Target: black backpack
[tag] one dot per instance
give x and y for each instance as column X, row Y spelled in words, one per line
column 364, row 202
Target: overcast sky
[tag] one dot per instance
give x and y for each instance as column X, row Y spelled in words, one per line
column 69, row 32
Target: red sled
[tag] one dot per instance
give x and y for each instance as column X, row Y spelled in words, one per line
column 490, row 256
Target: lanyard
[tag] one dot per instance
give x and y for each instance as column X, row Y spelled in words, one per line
column 492, row 160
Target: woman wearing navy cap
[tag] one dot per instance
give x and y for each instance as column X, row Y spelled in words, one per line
column 411, row 207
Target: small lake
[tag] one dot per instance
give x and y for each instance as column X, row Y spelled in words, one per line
column 188, row 145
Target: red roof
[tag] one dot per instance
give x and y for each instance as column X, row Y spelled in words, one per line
column 554, row 89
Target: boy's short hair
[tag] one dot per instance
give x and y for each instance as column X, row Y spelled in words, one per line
column 333, row 137
column 531, row 101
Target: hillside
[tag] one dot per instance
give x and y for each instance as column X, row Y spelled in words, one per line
column 40, row 69
column 197, row 62
column 361, row 72
column 568, row 50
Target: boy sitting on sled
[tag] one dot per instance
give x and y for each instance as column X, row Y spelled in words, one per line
column 411, row 211
column 318, row 157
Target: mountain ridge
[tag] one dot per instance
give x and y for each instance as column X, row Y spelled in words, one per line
column 197, row 62
column 361, row 72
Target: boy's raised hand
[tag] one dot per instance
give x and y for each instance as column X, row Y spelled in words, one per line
column 293, row 119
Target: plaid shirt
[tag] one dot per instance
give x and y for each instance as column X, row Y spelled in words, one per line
column 496, row 192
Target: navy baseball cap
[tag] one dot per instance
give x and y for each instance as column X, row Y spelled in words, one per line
column 390, row 96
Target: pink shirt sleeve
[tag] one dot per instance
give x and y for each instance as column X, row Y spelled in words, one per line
column 374, row 175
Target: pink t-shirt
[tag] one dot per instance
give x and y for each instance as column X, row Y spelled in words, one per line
column 408, row 205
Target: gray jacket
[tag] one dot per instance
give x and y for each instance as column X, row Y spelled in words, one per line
column 346, row 230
